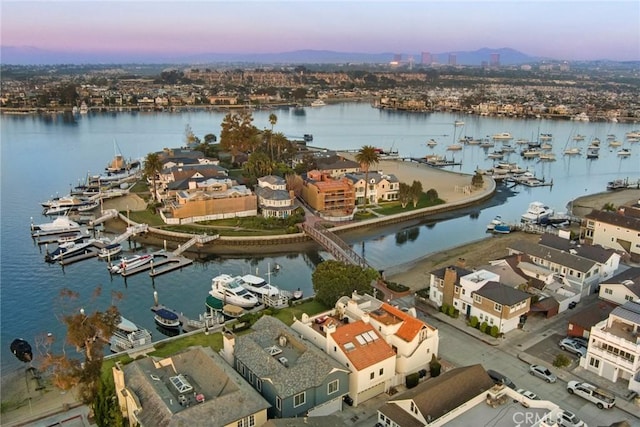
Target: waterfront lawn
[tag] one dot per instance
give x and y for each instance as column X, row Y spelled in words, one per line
column 393, row 208
column 145, row 217
column 171, row 347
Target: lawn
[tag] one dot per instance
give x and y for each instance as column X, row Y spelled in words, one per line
column 396, row 208
column 170, row 347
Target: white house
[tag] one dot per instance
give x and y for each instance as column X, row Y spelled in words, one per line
column 614, row 346
column 616, row 230
column 273, row 198
column 622, row 287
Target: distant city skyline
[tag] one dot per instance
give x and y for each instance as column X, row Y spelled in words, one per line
column 562, row 30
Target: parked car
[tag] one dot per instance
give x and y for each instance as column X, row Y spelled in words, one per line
column 603, row 399
column 347, row 399
column 569, row 419
column 582, row 340
column 542, row 372
column 573, row 346
column 528, row 394
column 498, row 378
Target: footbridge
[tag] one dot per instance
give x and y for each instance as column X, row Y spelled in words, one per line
column 131, row 231
column 334, row 245
column 108, row 214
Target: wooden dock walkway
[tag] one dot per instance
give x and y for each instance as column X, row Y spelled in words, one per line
column 334, row 245
column 168, row 264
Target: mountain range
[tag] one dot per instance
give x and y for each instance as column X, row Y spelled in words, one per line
column 23, row 55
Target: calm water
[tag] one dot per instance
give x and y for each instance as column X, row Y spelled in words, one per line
column 45, row 156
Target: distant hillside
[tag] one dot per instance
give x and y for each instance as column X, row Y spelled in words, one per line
column 35, row 56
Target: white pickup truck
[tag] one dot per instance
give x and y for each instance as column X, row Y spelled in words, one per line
column 602, row 398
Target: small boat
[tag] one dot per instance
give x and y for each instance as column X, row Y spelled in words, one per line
column 624, row 152
column 593, row 153
column 548, row 157
column 502, row 228
column 617, row 184
column 579, row 137
column 454, row 147
column 230, row 291
column 167, row 319
column 615, row 143
column 88, row 206
column 496, row 155
column 487, row 143
column 67, row 249
column 21, row 349
column 129, row 263
column 495, row 221
column 458, row 123
column 572, row 151
column 318, row 103
column 530, row 153
column 546, row 146
column 502, row 135
column 297, row 294
column 59, row 225
column 128, row 335
column 546, row 137
column 432, row 143
column 611, row 137
column 633, row 134
column 110, row 251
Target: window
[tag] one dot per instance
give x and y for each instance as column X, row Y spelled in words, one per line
column 278, row 403
column 381, row 371
column 608, row 291
column 628, row 297
column 332, row 387
column 464, row 291
column 372, row 375
column 258, row 384
column 477, row 298
column 497, row 307
column 299, row 399
column 249, row 421
column 594, row 362
column 457, row 290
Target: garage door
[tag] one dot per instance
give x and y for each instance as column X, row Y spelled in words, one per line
column 367, row 394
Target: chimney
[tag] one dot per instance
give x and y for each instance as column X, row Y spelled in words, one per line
column 461, row 262
column 229, row 343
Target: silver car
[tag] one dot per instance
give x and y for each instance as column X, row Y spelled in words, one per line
column 573, row 346
column 542, row 372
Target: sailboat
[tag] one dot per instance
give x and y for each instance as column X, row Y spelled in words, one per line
column 119, row 168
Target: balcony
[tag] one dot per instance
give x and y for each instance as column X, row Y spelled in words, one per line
column 614, row 359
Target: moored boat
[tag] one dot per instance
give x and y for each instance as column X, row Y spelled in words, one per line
column 536, row 212
column 128, row 335
column 68, row 249
column 624, row 152
column 432, row 143
column 60, row 225
column 110, row 250
column 166, row 318
column 502, row 135
column 230, row 291
column 258, row 285
column 495, row 221
column 502, row 228
column 130, row 263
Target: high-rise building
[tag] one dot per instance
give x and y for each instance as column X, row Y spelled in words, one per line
column 495, row 60
column 453, row 59
column 426, row 58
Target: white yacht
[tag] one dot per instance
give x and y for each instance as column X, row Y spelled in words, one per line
column 502, row 135
column 536, row 213
column 258, row 285
column 60, row 225
column 229, row 290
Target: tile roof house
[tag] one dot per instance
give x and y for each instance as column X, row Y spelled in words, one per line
column 614, row 346
column 195, row 387
column 294, row 376
column 432, row 400
column 382, row 187
column 615, row 230
column 274, row 200
column 580, row 267
column 333, row 199
column 622, row 287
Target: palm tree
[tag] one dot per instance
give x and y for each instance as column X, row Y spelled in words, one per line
column 152, row 167
column 273, row 119
column 367, row 156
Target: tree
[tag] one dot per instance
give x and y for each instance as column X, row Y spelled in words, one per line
column 404, row 194
column 432, row 195
column 294, row 183
column 367, row 156
column 257, row 166
column 106, row 411
column 434, row 366
column 238, row 133
column 477, row 180
column 88, row 333
column 273, row 119
column 152, row 167
column 334, row 279
column 416, row 192
column 190, row 138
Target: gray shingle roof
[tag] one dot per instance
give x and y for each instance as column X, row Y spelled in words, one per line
column 593, row 252
column 553, row 255
column 460, row 271
column 625, row 221
column 502, row 294
column 630, row 311
column 307, row 371
column 629, row 278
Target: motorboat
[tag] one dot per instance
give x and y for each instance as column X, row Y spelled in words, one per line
column 130, row 263
column 128, row 335
column 258, row 285
column 502, row 228
column 110, row 251
column 458, row 123
column 624, row 152
column 536, row 213
column 432, row 143
column 68, row 249
column 615, row 143
column 318, row 103
column 633, row 134
column 572, row 151
column 496, row 155
column 454, row 147
column 167, row 319
column 495, row 221
column 502, row 135
column 229, row 290
column 617, row 184
column 487, row 143
column 548, row 157
column 60, row 225
column 546, row 137
column 579, row 137
column 70, row 237
column 530, row 153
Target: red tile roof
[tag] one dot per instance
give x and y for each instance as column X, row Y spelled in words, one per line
column 410, row 325
column 361, row 355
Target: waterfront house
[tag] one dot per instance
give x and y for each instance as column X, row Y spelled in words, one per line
column 580, row 267
column 195, row 387
column 614, row 346
column 294, row 376
column 381, row 187
column 622, row 287
column 333, row 199
column 336, row 166
column 618, row 230
column 274, row 200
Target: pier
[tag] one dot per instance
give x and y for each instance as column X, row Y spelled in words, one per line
column 168, row 264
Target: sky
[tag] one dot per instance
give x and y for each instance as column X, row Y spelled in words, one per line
column 566, row 30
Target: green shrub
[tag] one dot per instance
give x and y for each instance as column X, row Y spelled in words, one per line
column 412, row 380
column 495, row 331
column 423, row 293
column 434, row 366
column 473, row 322
column 456, row 313
column 444, row 308
column 483, row 327
column 561, row 361
column 397, row 287
column 451, row 310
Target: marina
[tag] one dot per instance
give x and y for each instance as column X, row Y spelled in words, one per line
column 88, row 143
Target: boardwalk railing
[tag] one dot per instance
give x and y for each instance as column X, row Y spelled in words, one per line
column 334, row 245
column 199, row 239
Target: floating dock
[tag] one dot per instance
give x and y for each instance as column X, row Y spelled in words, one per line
column 90, row 252
column 168, row 264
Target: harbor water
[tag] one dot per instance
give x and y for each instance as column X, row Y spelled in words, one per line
column 47, row 155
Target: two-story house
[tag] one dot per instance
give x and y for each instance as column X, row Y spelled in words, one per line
column 294, row 376
column 616, row 230
column 336, row 166
column 274, row 201
column 580, row 267
column 195, row 387
column 622, row 287
column 614, row 346
column 333, row 199
column 380, row 187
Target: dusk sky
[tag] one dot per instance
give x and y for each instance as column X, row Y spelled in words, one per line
column 571, row 30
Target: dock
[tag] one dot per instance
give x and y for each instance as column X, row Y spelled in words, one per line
column 90, row 252
column 189, row 325
column 168, row 264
